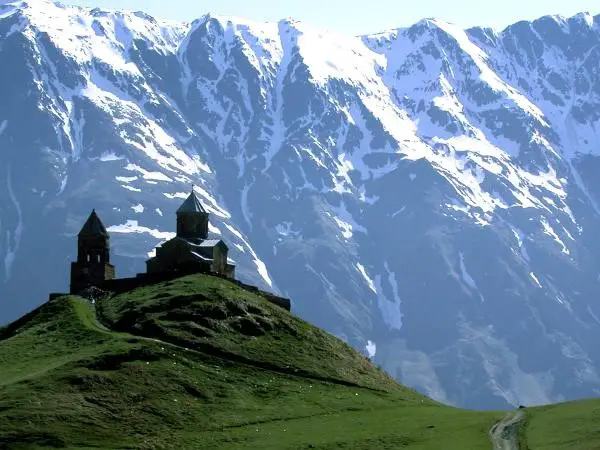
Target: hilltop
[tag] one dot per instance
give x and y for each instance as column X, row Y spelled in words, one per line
column 198, row 362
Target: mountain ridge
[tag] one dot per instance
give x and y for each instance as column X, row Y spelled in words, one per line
column 370, row 180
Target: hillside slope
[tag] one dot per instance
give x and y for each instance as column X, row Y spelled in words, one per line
column 562, row 426
column 213, row 367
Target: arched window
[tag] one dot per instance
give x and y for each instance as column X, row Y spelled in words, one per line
column 88, row 257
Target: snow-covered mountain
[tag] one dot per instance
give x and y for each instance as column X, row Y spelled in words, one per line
column 429, row 194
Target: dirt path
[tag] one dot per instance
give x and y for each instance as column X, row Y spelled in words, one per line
column 504, row 434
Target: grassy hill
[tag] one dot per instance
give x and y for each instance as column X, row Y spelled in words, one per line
column 563, row 426
column 200, row 363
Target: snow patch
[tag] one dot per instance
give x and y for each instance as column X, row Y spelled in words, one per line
column 147, row 175
column 260, row 265
column 548, row 230
column 345, row 221
column 110, row 156
column 130, row 188
column 211, row 203
column 262, row 271
column 182, row 195
column 389, row 307
column 126, row 179
column 398, row 212
column 465, row 275
column 371, row 349
column 13, row 241
column 213, row 229
column 244, row 205
column 368, row 279
column 534, row 278
column 345, row 227
column 132, row 226
column 520, row 236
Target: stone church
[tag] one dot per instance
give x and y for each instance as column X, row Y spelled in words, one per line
column 190, row 251
column 93, row 265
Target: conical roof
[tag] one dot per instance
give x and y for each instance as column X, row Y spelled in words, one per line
column 191, row 204
column 93, row 226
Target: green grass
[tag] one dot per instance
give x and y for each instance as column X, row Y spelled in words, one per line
column 228, row 370
column 565, row 426
column 218, row 317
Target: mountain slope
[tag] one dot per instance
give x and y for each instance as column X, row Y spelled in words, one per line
column 64, row 372
column 427, row 194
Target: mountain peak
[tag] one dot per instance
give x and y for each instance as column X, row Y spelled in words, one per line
column 586, row 17
column 565, row 22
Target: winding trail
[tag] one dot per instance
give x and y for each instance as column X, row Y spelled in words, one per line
column 504, row 434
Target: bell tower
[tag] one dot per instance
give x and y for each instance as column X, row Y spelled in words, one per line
column 93, row 256
column 192, row 219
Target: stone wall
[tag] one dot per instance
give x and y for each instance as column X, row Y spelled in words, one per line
column 121, row 285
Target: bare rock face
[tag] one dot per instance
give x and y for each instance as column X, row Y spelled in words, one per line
column 429, row 194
